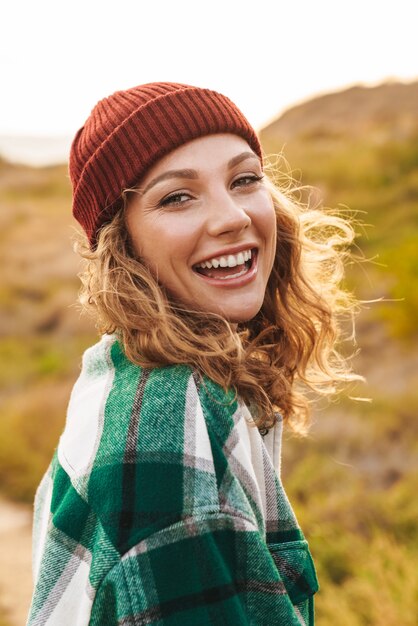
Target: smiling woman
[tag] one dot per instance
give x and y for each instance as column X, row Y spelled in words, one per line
column 216, row 296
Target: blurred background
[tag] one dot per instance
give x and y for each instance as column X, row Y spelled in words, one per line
column 334, row 87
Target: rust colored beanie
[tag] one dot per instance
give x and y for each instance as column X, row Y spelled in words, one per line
column 131, row 130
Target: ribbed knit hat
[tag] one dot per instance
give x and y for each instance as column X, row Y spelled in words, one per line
column 131, row 130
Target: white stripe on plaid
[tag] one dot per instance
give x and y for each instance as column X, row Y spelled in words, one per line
column 60, row 609
column 41, row 521
column 190, row 527
column 79, row 442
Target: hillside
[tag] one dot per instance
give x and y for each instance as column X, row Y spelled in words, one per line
column 387, row 111
column 353, row 480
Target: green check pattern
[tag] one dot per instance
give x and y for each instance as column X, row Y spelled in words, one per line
column 162, row 506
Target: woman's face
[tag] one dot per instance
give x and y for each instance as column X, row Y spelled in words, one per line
column 205, row 225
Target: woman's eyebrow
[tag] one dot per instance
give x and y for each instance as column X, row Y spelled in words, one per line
column 192, row 174
column 241, row 157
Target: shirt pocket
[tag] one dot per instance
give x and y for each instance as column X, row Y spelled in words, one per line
column 297, row 571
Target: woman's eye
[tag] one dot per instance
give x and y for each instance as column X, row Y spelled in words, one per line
column 175, row 199
column 245, row 181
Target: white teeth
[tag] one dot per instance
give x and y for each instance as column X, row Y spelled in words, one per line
column 232, row 260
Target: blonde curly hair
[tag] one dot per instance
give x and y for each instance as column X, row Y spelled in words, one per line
column 273, row 361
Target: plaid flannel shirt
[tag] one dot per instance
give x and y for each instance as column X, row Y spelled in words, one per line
column 161, row 506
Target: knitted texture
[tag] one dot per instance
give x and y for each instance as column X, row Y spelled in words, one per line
column 131, row 130
column 163, row 506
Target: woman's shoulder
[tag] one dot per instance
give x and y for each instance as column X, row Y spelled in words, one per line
column 131, row 430
column 118, row 409
column 107, row 375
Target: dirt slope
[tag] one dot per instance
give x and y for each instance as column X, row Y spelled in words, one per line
column 15, row 570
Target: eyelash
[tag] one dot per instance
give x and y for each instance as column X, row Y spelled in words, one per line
column 253, row 178
column 172, row 200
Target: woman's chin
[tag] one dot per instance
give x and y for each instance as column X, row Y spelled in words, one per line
column 235, row 308
column 241, row 314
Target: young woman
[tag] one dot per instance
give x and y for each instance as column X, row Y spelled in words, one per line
column 218, row 300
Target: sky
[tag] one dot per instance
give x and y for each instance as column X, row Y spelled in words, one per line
column 58, row 58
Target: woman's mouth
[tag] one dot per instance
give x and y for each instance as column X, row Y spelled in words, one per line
column 228, row 267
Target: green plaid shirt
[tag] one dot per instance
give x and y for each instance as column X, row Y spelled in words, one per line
column 162, row 506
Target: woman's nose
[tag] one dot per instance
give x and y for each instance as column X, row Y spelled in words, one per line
column 226, row 215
